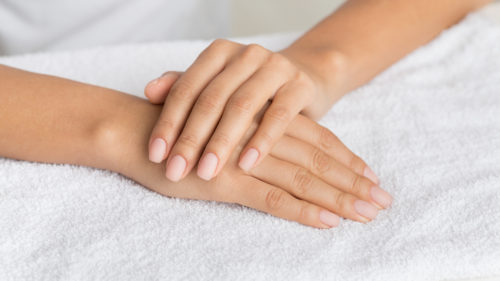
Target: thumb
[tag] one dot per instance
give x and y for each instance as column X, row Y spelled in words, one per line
column 157, row 90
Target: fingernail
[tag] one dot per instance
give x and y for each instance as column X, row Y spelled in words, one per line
column 368, row 173
column 176, row 168
column 329, row 218
column 365, row 209
column 382, row 197
column 157, row 150
column 207, row 166
column 153, row 83
column 166, row 74
column 249, row 159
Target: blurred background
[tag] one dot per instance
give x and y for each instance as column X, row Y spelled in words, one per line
column 51, row 25
column 263, row 16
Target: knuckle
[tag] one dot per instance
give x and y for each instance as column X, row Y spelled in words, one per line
column 275, row 198
column 326, row 139
column 218, row 43
column 302, row 181
column 181, row 90
column 320, row 161
column 221, row 140
column 188, row 140
column 241, row 104
column 303, row 214
column 265, row 138
column 278, row 60
column 341, row 202
column 279, row 113
column 355, row 185
column 303, row 79
column 356, row 164
column 164, row 125
column 208, row 103
column 252, row 52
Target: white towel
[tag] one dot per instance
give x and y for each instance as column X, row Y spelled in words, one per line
column 429, row 126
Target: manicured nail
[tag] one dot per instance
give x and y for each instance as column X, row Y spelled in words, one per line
column 249, row 159
column 368, row 173
column 153, row 83
column 365, row 209
column 166, row 74
column 207, row 166
column 175, row 168
column 329, row 218
column 381, row 196
column 157, row 81
column 157, row 150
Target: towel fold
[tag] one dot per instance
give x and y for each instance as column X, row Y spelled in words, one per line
column 429, row 126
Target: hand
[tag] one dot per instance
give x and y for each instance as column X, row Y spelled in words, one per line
column 320, row 181
column 210, row 107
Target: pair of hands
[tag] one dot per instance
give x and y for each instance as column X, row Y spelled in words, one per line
column 290, row 167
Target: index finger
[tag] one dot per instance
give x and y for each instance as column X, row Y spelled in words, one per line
column 290, row 99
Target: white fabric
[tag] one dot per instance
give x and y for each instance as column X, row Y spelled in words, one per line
column 34, row 25
column 429, row 126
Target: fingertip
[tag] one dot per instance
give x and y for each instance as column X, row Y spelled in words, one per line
column 157, row 90
column 249, row 159
column 365, row 210
column 152, row 91
column 381, row 197
column 368, row 173
column 157, row 150
column 329, row 219
column 175, row 168
column 207, row 166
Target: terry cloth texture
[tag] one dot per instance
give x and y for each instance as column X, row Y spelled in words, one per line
column 429, row 126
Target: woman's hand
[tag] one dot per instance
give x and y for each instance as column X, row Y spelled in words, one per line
column 209, row 108
column 309, row 176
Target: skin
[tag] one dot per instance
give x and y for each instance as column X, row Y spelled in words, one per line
column 210, row 107
column 54, row 120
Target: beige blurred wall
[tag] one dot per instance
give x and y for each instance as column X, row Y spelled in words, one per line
column 250, row 17
column 268, row 16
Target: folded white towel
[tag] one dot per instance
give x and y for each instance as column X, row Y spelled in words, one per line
column 429, row 126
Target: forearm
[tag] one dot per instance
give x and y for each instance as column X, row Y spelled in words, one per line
column 363, row 37
column 55, row 120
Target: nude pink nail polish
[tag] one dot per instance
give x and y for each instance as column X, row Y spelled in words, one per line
column 175, row 168
column 365, row 209
column 157, row 150
column 329, row 218
column 248, row 160
column 381, row 196
column 368, row 173
column 207, row 166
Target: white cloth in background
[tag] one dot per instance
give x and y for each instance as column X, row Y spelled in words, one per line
column 41, row 25
column 429, row 126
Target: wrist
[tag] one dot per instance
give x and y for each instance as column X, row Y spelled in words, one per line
column 327, row 66
column 121, row 138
